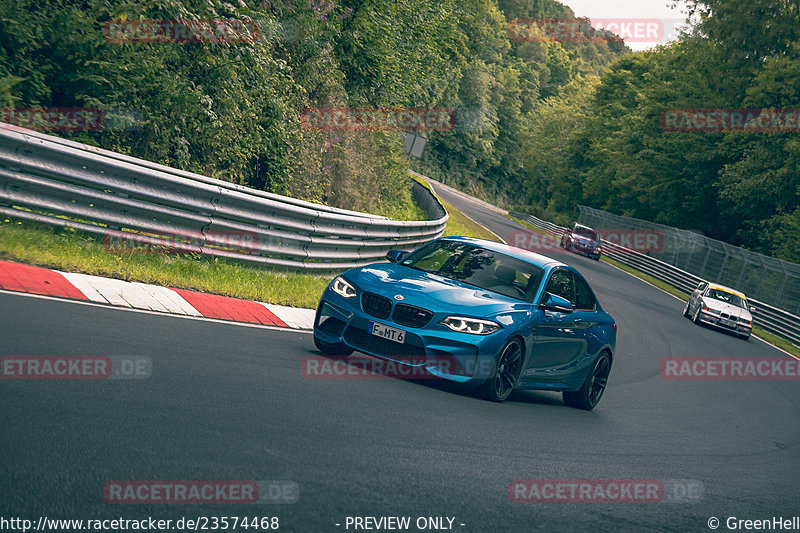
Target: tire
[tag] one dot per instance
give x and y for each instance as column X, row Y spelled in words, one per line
column 596, row 258
column 744, row 337
column 696, row 317
column 328, row 348
column 507, row 369
column 686, row 309
column 590, row 393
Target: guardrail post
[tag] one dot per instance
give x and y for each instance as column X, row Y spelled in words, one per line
column 780, row 290
column 724, row 262
column 690, row 255
column 757, row 290
column 705, row 261
column 741, row 272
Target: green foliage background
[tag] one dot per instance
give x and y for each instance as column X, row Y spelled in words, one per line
column 601, row 143
column 541, row 126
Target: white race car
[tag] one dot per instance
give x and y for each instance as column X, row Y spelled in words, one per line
column 721, row 307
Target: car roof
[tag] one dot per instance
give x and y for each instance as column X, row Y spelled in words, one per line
column 726, row 289
column 583, row 227
column 519, row 253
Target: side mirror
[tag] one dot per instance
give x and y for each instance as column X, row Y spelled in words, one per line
column 557, row 304
column 752, row 309
column 394, row 256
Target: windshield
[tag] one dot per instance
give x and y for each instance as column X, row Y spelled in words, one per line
column 477, row 266
column 585, row 232
column 727, row 297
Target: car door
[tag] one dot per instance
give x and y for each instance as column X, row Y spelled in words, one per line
column 588, row 329
column 558, row 337
column 694, row 298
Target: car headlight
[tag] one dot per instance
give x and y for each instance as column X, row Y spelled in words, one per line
column 710, row 310
column 745, row 321
column 342, row 288
column 474, row 326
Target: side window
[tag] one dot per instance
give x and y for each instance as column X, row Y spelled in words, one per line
column 584, row 297
column 561, row 284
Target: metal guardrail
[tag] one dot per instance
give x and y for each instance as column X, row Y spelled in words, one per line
column 55, row 181
column 771, row 319
column 766, row 279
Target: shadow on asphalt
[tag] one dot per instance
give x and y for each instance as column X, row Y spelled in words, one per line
column 384, row 369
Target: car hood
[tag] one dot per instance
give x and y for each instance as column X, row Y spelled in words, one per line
column 431, row 291
column 727, row 308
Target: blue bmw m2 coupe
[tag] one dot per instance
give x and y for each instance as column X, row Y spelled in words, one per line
column 475, row 311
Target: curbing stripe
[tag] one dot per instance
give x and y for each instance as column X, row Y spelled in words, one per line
column 171, row 300
column 214, row 306
column 25, row 278
column 82, row 283
column 295, row 317
column 35, row 280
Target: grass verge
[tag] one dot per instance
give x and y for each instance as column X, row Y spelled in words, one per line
column 458, row 224
column 527, row 225
column 74, row 251
column 666, row 287
column 780, row 342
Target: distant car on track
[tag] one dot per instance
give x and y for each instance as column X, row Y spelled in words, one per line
column 583, row 240
column 477, row 312
column 721, row 307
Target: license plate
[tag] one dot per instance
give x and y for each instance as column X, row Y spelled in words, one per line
column 726, row 322
column 386, row 332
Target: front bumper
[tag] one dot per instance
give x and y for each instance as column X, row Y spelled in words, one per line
column 443, row 353
column 589, row 251
column 731, row 325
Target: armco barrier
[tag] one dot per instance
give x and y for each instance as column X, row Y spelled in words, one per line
column 771, row 319
column 767, row 279
column 55, row 181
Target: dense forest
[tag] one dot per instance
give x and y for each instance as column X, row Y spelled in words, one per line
column 606, row 147
column 539, row 125
column 233, row 110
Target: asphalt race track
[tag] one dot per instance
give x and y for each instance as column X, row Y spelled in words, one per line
column 229, row 402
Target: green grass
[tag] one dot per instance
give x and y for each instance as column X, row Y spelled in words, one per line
column 458, row 223
column 527, row 225
column 407, row 210
column 74, row 251
column 666, row 287
column 780, row 342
